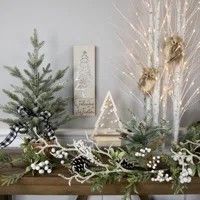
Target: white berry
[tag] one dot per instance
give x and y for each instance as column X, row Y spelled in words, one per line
column 41, row 164
column 33, row 166
column 62, row 162
column 57, row 152
column 46, row 162
column 60, row 156
column 53, row 150
column 41, row 171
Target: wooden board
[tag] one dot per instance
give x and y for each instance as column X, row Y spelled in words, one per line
column 108, row 139
column 53, row 185
column 84, row 80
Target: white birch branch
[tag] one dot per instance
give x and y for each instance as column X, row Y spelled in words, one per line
column 156, row 92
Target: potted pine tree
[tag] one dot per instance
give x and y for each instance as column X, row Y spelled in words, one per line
column 36, row 109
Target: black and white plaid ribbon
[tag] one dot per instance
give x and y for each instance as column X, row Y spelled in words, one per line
column 21, row 128
column 9, row 139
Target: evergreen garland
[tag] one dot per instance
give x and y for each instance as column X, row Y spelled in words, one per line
column 100, row 166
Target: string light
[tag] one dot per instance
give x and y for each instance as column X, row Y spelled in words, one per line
column 179, row 82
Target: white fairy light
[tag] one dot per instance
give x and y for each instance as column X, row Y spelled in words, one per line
column 131, row 93
column 134, row 58
column 183, row 71
column 178, row 83
column 195, row 11
column 190, row 38
column 141, row 36
column 190, row 102
column 188, row 89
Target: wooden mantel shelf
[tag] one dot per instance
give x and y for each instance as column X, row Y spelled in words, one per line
column 54, row 185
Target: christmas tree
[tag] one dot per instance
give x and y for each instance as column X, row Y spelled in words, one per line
column 36, row 109
column 84, row 76
column 108, row 119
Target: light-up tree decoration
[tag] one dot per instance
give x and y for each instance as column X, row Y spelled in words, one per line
column 108, row 119
column 145, row 47
column 108, row 124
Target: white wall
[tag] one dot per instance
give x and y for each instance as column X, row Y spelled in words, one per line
column 62, row 24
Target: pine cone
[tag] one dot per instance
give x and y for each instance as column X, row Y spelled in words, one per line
column 79, row 164
column 127, row 165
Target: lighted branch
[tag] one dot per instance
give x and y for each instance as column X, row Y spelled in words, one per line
column 146, row 42
column 141, row 43
column 130, row 72
column 142, row 35
column 166, row 86
column 184, row 69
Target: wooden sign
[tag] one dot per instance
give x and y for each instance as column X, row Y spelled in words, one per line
column 84, row 80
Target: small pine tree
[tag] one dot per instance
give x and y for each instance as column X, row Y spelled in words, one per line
column 34, row 104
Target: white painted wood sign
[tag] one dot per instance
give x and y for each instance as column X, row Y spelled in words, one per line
column 84, row 80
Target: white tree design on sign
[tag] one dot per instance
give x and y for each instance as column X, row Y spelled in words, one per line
column 84, row 80
column 84, row 75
